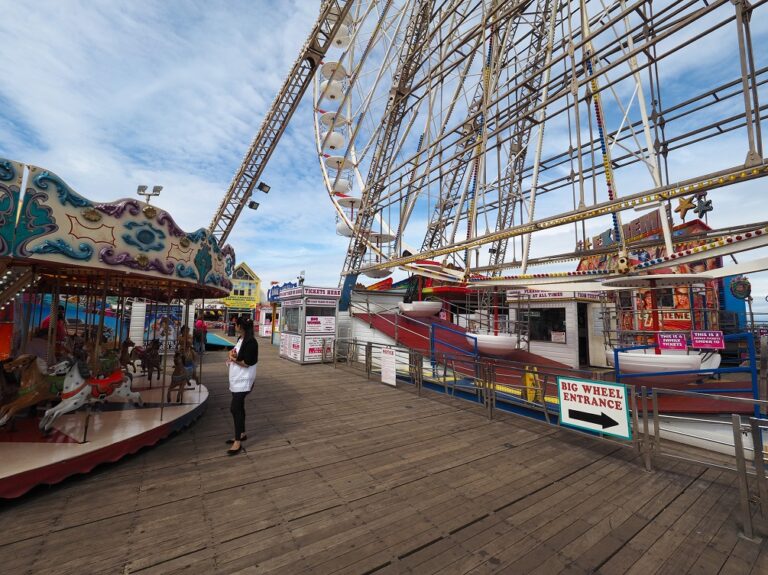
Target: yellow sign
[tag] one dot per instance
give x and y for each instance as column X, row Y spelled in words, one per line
column 241, row 301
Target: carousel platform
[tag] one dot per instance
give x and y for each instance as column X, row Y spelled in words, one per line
column 218, row 340
column 79, row 442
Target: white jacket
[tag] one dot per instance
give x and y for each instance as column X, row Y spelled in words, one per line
column 241, row 378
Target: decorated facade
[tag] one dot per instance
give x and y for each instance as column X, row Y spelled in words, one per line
column 52, row 226
column 246, row 289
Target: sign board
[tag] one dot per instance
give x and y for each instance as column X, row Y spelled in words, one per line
column 594, row 406
column 555, row 295
column 322, row 302
column 290, row 346
column 557, row 337
column 327, row 292
column 313, row 348
column 289, row 293
column 309, row 291
column 320, row 324
column 388, row 366
column 241, row 301
column 672, row 340
column 708, row 339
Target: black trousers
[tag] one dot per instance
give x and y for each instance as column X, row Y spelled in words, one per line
column 237, row 408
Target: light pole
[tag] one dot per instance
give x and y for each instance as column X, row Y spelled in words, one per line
column 144, row 191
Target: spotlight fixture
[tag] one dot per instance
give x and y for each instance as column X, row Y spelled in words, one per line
column 263, row 187
column 143, row 191
column 253, row 205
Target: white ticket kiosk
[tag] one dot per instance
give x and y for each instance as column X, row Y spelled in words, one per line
column 308, row 323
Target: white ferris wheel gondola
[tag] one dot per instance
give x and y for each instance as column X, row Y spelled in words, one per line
column 332, row 90
column 378, row 273
column 333, row 71
column 339, row 163
column 352, row 202
column 343, row 229
column 333, row 141
column 333, row 119
column 341, row 186
column 493, row 344
column 343, row 38
column 381, row 237
column 420, row 308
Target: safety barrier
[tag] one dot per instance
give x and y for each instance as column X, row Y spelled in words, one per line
column 500, row 386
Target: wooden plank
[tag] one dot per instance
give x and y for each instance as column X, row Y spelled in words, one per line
column 345, row 476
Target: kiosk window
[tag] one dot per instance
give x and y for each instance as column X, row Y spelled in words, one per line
column 290, row 319
column 544, row 321
column 321, row 311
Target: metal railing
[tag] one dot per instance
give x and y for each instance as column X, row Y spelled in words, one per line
column 501, row 386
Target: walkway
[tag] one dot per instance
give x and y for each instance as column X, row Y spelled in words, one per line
column 343, row 475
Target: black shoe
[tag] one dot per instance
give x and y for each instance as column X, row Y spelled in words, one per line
column 242, row 438
column 234, row 451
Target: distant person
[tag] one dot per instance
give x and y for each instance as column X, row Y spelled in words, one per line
column 61, row 332
column 200, row 335
column 242, row 360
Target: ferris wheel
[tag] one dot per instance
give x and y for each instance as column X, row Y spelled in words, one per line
column 469, row 139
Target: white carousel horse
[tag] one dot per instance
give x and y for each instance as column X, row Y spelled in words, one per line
column 78, row 391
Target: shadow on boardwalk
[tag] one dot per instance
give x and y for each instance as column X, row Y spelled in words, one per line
column 346, row 476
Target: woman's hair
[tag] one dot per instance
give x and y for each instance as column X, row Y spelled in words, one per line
column 246, row 324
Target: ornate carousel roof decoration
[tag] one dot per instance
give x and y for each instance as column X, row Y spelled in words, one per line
column 51, row 225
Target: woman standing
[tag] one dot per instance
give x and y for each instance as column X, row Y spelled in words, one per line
column 242, row 362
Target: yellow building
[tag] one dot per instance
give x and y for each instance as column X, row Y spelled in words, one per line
column 245, row 294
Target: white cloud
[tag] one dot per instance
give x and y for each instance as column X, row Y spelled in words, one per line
column 111, row 95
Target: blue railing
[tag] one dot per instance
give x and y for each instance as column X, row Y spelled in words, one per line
column 751, row 369
column 433, row 341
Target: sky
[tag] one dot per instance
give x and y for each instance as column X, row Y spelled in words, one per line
column 110, row 95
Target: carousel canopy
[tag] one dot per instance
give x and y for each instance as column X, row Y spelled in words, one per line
column 126, row 246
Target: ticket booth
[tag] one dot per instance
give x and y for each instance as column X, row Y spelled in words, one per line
column 308, row 323
column 263, row 325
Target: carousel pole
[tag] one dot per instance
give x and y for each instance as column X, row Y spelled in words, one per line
column 100, row 329
column 87, row 317
column 29, row 314
column 165, row 365
column 118, row 317
column 154, row 322
column 52, row 324
column 200, row 367
column 40, row 306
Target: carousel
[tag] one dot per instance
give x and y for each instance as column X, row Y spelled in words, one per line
column 96, row 355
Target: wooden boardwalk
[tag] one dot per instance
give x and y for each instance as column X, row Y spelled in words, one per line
column 343, row 475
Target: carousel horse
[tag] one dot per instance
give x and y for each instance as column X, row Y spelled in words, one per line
column 182, row 373
column 189, row 356
column 125, row 354
column 35, row 386
column 77, row 391
column 9, row 386
column 148, row 356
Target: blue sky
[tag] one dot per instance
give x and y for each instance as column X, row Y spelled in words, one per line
column 114, row 94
